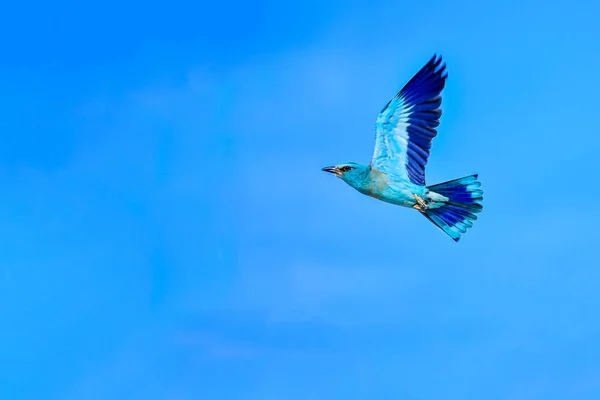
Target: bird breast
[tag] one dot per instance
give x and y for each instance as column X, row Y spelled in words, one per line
column 378, row 182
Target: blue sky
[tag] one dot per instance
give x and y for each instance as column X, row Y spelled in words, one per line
column 167, row 232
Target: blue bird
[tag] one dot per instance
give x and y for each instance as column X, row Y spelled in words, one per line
column 404, row 131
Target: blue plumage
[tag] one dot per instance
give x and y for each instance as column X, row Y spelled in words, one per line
column 458, row 212
column 405, row 129
column 412, row 115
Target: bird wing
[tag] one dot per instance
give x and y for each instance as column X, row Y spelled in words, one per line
column 406, row 125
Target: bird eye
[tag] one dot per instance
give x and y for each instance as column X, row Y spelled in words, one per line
column 345, row 168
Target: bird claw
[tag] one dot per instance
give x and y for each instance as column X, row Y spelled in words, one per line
column 421, row 205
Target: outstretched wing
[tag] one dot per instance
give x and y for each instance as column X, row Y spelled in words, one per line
column 406, row 125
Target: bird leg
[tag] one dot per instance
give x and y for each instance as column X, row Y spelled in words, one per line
column 421, row 206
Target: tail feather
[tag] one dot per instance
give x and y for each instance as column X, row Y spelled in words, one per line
column 459, row 211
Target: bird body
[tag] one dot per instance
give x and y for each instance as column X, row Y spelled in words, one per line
column 405, row 129
column 383, row 186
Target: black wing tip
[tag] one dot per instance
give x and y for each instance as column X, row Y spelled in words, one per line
column 434, row 68
column 437, row 66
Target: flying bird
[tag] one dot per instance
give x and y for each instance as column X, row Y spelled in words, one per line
column 396, row 174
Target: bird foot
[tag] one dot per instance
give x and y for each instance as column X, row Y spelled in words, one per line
column 421, row 206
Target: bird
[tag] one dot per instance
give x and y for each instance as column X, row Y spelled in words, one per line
column 404, row 131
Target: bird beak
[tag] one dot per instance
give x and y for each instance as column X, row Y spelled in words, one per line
column 333, row 170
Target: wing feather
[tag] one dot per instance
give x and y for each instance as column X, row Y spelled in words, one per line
column 406, row 125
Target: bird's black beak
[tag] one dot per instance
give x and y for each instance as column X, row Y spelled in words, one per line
column 333, row 170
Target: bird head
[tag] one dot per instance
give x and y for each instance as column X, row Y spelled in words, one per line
column 349, row 172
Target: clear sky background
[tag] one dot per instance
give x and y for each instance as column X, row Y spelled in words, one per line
column 167, row 233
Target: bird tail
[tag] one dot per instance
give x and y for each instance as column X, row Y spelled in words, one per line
column 457, row 213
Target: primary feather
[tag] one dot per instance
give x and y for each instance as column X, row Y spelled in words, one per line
column 406, row 125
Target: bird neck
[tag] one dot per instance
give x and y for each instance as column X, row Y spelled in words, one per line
column 358, row 178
